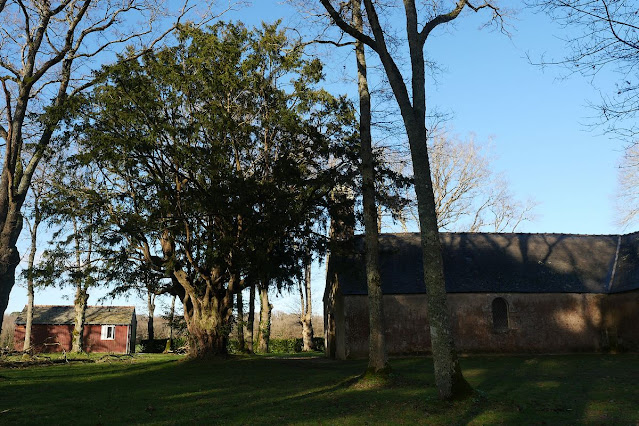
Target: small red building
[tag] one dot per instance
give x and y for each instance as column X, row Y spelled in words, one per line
column 106, row 329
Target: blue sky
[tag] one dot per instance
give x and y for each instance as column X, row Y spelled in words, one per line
column 537, row 118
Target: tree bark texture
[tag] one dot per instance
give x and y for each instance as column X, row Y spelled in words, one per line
column 150, row 303
column 9, row 255
column 80, row 306
column 330, row 292
column 241, row 343
column 30, row 290
column 171, row 321
column 29, row 325
column 208, row 318
column 250, row 326
column 307, row 311
column 448, row 376
column 377, row 355
column 264, row 335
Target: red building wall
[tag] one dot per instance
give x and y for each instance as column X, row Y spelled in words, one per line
column 537, row 323
column 56, row 338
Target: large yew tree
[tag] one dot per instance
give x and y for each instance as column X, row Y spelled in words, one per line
column 412, row 105
column 215, row 154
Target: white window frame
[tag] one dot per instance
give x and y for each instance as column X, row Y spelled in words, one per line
column 105, row 332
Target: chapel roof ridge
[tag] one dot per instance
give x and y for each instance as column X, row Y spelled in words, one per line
column 511, row 233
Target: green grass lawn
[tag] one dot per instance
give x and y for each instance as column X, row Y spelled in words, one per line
column 167, row 389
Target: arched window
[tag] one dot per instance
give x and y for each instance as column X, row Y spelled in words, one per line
column 500, row 314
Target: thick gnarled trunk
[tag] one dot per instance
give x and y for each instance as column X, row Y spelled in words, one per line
column 208, row 318
column 208, row 331
column 208, row 336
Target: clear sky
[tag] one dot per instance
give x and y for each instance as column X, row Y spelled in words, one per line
column 538, row 121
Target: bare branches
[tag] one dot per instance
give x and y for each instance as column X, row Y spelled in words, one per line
column 627, row 204
column 346, row 27
column 607, row 38
column 442, row 19
column 469, row 195
column 612, row 22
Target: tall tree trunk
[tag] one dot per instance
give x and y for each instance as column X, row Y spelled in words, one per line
column 377, row 355
column 264, row 334
column 448, row 375
column 29, row 326
column 80, row 305
column 81, row 296
column 150, row 303
column 9, row 255
column 250, row 326
column 241, row 343
column 171, row 321
column 307, row 310
column 30, row 290
column 412, row 104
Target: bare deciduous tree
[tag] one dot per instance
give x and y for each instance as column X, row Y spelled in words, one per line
column 628, row 187
column 469, row 195
column 412, row 105
column 47, row 54
column 377, row 353
column 608, row 38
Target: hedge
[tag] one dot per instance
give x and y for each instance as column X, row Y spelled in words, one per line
column 276, row 346
column 283, row 346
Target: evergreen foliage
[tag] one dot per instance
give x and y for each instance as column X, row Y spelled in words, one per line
column 216, row 157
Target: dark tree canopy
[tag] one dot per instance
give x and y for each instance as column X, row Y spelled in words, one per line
column 217, row 156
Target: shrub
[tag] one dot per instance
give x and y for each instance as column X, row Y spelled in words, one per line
column 179, row 342
column 155, row 346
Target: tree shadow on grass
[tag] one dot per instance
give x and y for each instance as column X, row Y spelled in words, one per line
column 308, row 391
column 554, row 389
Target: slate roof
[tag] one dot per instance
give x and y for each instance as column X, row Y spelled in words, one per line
column 509, row 263
column 47, row 314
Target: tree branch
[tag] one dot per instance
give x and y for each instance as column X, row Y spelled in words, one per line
column 442, row 19
column 346, row 27
column 612, row 29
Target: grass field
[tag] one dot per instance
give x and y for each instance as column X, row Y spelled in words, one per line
column 167, row 390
